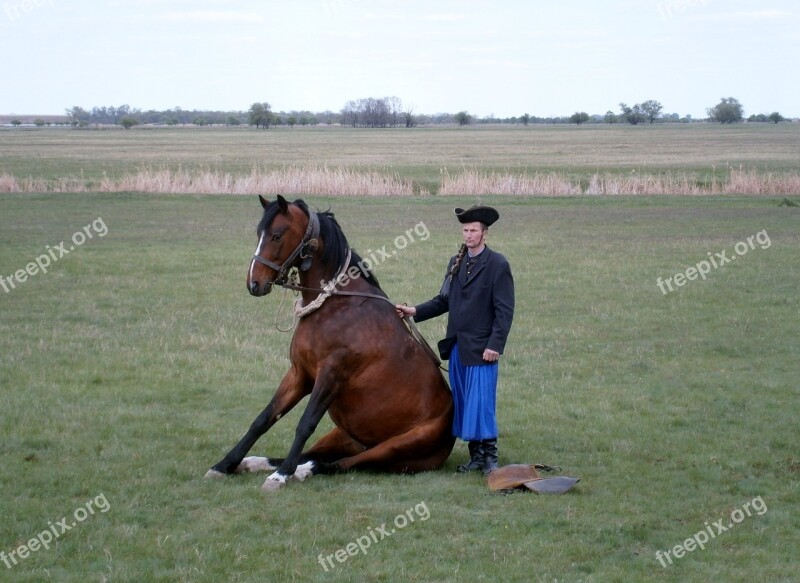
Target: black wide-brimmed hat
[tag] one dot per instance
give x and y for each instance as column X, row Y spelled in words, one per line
column 478, row 214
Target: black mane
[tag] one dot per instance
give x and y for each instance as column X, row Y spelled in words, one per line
column 336, row 245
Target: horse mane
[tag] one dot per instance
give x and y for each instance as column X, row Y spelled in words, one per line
column 336, row 245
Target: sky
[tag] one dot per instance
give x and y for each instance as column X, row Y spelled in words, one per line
column 488, row 57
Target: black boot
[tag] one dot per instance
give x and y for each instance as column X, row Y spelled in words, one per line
column 475, row 457
column 489, row 447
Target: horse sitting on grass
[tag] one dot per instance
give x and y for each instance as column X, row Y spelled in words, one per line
column 350, row 354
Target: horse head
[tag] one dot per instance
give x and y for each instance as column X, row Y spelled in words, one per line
column 288, row 236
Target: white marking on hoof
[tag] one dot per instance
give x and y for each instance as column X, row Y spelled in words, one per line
column 303, row 471
column 213, row 475
column 275, row 482
column 253, row 464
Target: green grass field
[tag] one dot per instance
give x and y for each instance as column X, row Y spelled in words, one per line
column 701, row 152
column 139, row 359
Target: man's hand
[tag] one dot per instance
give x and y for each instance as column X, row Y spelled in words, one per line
column 490, row 355
column 404, row 311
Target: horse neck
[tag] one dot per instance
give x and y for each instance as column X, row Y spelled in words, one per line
column 316, row 278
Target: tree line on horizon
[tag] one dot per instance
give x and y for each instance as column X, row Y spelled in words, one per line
column 390, row 112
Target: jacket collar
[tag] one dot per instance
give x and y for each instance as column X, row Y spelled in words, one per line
column 483, row 259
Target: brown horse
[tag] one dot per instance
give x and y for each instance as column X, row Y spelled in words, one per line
column 352, row 356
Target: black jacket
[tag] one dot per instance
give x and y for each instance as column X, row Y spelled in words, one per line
column 480, row 308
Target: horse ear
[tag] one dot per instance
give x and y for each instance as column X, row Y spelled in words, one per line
column 283, row 205
column 264, row 202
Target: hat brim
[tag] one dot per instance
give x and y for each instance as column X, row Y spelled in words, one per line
column 477, row 214
column 557, row 485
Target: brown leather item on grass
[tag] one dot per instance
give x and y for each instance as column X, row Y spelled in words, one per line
column 511, row 476
column 524, row 476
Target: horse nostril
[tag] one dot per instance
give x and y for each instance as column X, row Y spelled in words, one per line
column 253, row 287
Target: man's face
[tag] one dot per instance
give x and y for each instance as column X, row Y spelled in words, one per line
column 473, row 235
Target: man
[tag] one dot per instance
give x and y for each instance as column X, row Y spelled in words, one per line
column 478, row 295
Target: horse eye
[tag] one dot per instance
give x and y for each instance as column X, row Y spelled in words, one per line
column 277, row 236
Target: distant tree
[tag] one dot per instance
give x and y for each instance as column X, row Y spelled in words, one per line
column 610, row 117
column 78, row 116
column 728, row 110
column 199, row 121
column 633, row 115
column 525, row 119
column 291, row 121
column 776, row 117
column 328, row 117
column 350, row 113
column 172, row 121
column 16, row 122
column 652, row 109
column 369, row 112
column 579, row 117
column 378, row 112
column 233, row 121
column 260, row 114
column 39, row 122
column 408, row 117
column 394, row 107
column 128, row 122
column 463, row 118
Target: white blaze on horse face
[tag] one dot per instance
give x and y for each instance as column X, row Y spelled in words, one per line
column 258, row 252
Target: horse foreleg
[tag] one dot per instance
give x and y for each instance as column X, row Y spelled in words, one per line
column 289, row 393
column 321, row 397
column 332, row 446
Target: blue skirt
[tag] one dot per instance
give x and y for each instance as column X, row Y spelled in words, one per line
column 474, row 399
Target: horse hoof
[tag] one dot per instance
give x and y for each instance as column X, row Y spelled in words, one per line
column 303, row 471
column 213, row 474
column 274, row 483
column 272, row 486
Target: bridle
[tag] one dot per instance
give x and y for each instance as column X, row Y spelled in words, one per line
column 305, row 249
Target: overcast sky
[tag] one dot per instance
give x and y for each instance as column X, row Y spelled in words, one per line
column 501, row 57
